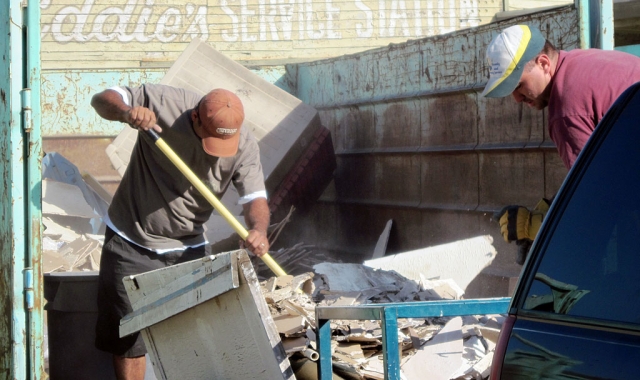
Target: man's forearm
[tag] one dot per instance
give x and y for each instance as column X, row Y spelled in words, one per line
column 110, row 106
column 256, row 215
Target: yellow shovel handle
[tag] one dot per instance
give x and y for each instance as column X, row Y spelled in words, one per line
column 204, row 190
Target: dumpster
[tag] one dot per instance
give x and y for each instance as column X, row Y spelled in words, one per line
column 72, row 312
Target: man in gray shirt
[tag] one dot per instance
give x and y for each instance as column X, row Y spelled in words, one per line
column 156, row 217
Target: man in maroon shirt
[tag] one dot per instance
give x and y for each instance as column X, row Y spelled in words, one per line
column 577, row 86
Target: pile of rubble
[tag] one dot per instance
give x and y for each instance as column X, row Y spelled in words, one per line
column 72, row 209
column 454, row 348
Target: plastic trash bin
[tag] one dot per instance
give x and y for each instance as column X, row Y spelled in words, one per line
column 72, row 312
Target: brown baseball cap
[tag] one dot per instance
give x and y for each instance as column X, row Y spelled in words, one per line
column 221, row 119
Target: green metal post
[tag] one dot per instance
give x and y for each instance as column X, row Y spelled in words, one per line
column 33, row 273
column 595, row 24
column 14, row 143
column 21, row 322
column 6, row 250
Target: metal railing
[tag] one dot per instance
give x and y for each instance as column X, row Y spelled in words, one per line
column 388, row 314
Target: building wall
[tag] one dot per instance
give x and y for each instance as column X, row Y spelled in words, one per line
column 110, row 34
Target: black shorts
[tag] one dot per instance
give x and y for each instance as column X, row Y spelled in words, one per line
column 121, row 258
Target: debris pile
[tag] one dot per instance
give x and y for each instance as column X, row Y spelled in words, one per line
column 72, row 209
column 455, row 348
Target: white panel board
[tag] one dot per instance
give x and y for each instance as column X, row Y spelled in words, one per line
column 461, row 261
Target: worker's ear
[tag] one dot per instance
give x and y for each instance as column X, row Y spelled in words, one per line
column 194, row 115
column 545, row 62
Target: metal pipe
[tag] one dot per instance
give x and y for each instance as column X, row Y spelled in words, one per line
column 310, row 354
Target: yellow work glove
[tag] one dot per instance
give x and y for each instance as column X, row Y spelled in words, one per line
column 518, row 223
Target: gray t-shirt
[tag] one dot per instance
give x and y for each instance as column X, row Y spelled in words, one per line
column 155, row 205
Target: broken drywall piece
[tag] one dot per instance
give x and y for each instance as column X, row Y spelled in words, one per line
column 59, row 198
column 56, row 232
column 478, row 371
column 446, row 289
column 356, row 277
column 58, row 168
column 52, row 261
column 381, row 246
column 460, row 261
column 289, row 324
column 443, row 353
column 103, row 194
column 374, row 368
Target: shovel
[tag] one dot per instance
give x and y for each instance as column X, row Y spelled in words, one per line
column 197, row 183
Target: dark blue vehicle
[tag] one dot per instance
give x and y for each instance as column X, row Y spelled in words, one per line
column 575, row 313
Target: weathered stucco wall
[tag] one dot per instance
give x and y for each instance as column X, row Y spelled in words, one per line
column 98, row 34
column 417, row 143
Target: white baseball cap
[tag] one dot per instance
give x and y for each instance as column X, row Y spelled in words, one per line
column 507, row 54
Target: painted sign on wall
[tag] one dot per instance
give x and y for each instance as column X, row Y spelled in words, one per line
column 146, row 33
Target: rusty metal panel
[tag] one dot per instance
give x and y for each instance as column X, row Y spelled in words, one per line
column 507, row 124
column 395, row 126
column 327, row 118
column 449, row 181
column 450, row 62
column 510, row 178
column 449, row 122
column 355, row 131
column 445, row 226
column 7, row 292
column 396, row 180
column 355, row 177
column 311, row 84
column 353, row 78
column 398, row 72
column 555, row 172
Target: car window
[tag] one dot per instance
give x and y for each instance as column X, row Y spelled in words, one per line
column 591, row 266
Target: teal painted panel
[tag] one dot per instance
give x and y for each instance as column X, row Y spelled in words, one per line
column 66, row 97
column 34, row 289
column 15, row 245
column 428, row 66
column 6, row 253
column 631, row 49
column 66, row 100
